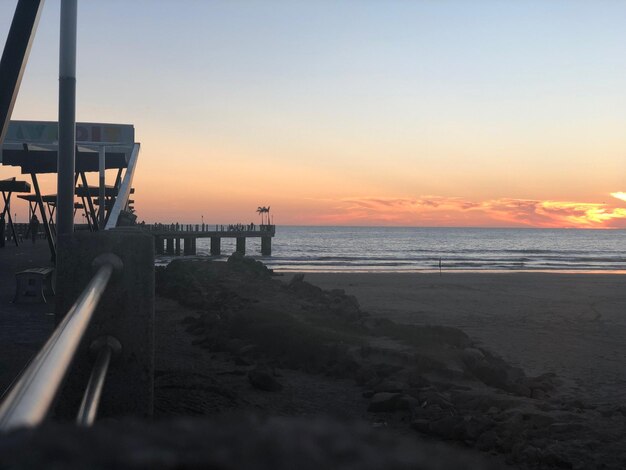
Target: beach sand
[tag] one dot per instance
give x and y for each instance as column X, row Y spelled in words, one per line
column 571, row 324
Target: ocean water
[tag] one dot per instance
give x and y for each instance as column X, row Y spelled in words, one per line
column 410, row 249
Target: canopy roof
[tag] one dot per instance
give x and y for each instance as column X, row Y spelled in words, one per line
column 11, row 185
column 33, row 146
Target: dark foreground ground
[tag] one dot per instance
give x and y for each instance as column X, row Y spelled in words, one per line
column 253, row 372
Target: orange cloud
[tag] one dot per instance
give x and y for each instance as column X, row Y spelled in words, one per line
column 438, row 210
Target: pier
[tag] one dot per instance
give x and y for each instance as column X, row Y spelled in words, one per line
column 169, row 239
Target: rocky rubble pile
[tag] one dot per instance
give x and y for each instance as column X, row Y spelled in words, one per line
column 436, row 379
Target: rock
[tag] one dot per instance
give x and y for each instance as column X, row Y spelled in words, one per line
column 385, row 401
column 538, row 394
column 430, row 413
column 487, row 441
column 241, row 361
column 384, row 370
column 409, row 403
column 263, row 380
column 431, row 397
column 519, row 389
column 248, row 265
column 449, row 428
column 493, row 410
column 472, row 355
column 189, row 320
column 366, row 375
column 421, row 425
column 211, row 318
column 562, row 428
column 390, row 386
column 474, row 426
column 530, row 454
column 416, row 380
column 248, row 349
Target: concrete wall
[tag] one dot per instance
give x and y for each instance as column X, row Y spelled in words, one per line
column 125, row 312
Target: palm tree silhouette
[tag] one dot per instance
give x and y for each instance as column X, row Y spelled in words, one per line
column 264, row 210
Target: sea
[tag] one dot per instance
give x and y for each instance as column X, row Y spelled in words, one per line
column 411, row 249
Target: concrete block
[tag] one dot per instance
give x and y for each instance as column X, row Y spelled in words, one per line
column 125, row 312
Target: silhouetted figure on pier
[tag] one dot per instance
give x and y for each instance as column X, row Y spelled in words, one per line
column 34, row 228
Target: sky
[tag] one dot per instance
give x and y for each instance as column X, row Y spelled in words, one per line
column 412, row 113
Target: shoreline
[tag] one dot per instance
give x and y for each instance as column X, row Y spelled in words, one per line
column 450, row 271
column 163, row 260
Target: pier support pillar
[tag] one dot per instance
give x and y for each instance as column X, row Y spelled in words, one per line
column 187, row 246
column 125, row 311
column 158, row 245
column 193, row 245
column 216, row 246
column 266, row 246
column 177, row 246
column 170, row 246
column 241, row 245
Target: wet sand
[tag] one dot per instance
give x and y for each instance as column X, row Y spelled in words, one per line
column 571, row 324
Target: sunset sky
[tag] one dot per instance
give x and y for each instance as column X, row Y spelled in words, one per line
column 419, row 113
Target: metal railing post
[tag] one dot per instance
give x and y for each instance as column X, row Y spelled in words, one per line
column 67, row 118
column 104, row 348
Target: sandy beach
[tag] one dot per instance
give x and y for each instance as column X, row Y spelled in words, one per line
column 570, row 324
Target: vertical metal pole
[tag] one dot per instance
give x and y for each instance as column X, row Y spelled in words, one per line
column 94, row 218
column 67, row 118
column 15, row 56
column 101, row 203
column 44, row 219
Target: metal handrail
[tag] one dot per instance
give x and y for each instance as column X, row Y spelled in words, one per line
column 29, row 400
column 105, row 348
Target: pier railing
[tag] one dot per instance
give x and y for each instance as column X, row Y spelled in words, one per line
column 208, row 228
column 29, row 400
column 112, row 316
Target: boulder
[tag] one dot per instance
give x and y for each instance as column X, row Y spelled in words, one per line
column 385, row 401
column 263, row 380
column 392, row 386
column 449, row 427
